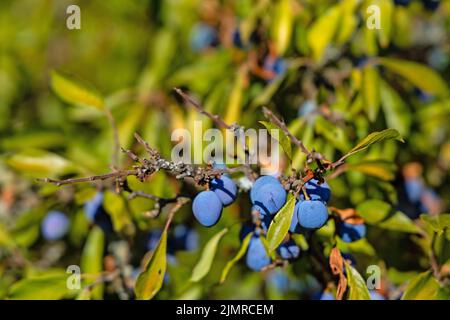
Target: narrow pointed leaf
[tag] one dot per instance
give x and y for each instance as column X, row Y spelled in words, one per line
column 357, row 286
column 280, row 224
column 203, row 266
column 236, row 258
column 151, row 279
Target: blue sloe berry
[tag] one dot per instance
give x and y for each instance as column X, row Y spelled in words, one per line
column 225, row 189
column 312, row 214
column 55, row 225
column 207, row 208
column 256, row 257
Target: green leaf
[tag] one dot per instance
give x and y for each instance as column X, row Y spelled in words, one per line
column 418, row 74
column 399, row 222
column 437, row 223
column 236, row 258
column 357, row 286
column 349, row 21
column 371, row 91
column 48, row 287
column 422, row 287
column 75, row 92
column 39, row 163
column 372, row 138
column 360, row 246
column 322, row 31
column 116, row 207
column 280, row 224
column 92, row 258
column 386, row 12
column 282, row 25
column 283, row 139
column 380, row 169
column 150, row 281
column 396, row 113
column 373, row 211
column 203, row 266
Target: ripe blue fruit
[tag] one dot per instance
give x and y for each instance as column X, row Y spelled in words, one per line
column 55, row 225
column 207, row 208
column 326, row 296
column 202, row 36
column 270, row 198
column 318, row 191
column 431, row 4
column 245, row 230
column 414, row 189
column 256, row 257
column 225, row 189
column 92, row 207
column 351, row 232
column 289, row 250
column 275, row 65
column 279, row 280
column 402, row 2
column 312, row 214
column 295, row 227
column 374, row 295
column 261, row 181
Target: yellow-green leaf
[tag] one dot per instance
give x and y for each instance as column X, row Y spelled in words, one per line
column 203, row 266
column 372, row 138
column 282, row 25
column 349, row 21
column 376, row 168
column 116, row 207
column 418, row 74
column 396, row 113
column 40, row 163
column 371, row 91
column 74, row 91
column 48, row 287
column 236, row 258
column 282, row 138
column 322, row 31
column 399, row 222
column 150, row 281
column 92, row 259
column 280, row 224
column 437, row 223
column 422, row 287
column 357, row 286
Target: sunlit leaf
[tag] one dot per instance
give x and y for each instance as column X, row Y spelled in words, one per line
column 73, row 91
column 418, row 74
column 371, row 91
column 116, row 207
column 40, row 163
column 49, row 287
column 373, row 210
column 395, row 110
column 282, row 25
column 399, row 222
column 322, row 31
column 203, row 266
column 92, row 259
column 280, row 224
column 372, row 138
column 150, row 281
column 236, row 258
column 422, row 287
column 357, row 286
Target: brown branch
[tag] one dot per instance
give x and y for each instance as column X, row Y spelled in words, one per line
column 116, row 174
column 271, row 116
column 217, row 120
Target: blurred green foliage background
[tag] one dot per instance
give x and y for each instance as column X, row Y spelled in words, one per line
column 337, row 81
